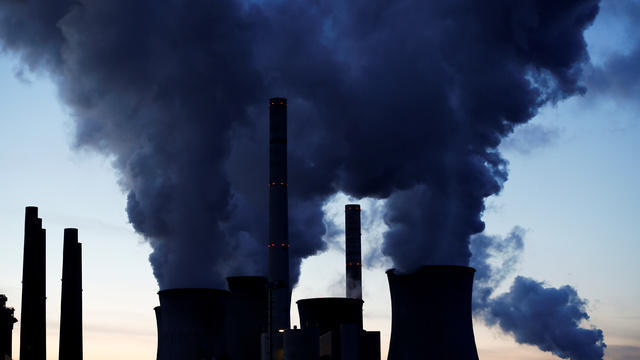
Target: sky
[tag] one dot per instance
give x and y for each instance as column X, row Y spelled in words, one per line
column 573, row 171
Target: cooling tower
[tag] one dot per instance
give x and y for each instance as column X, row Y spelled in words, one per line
column 33, row 312
column 71, row 299
column 431, row 314
column 280, row 292
column 191, row 324
column 247, row 316
column 328, row 314
column 353, row 251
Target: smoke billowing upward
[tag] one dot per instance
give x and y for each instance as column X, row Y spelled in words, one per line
column 406, row 100
column 546, row 317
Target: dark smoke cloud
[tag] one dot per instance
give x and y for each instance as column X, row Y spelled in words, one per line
column 157, row 87
column 534, row 314
column 406, row 100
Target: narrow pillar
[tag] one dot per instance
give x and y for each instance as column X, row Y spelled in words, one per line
column 353, row 252
column 71, row 299
column 279, row 289
column 33, row 312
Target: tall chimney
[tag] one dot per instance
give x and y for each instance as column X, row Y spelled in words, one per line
column 33, row 312
column 353, row 251
column 6, row 328
column 71, row 299
column 431, row 314
column 280, row 292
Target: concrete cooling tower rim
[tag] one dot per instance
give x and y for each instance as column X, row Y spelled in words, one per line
column 432, row 268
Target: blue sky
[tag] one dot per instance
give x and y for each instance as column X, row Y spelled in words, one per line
column 572, row 185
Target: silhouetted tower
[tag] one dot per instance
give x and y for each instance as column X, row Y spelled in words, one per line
column 280, row 292
column 353, row 251
column 191, row 324
column 431, row 314
column 33, row 312
column 6, row 328
column 71, row 299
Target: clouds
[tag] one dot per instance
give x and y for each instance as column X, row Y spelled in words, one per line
column 616, row 75
column 535, row 314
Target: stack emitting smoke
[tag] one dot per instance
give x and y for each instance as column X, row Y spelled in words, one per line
column 279, row 289
column 431, row 314
column 211, row 323
column 33, row 312
column 353, row 251
column 71, row 298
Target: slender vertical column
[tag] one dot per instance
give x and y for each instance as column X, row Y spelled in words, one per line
column 280, row 292
column 353, row 251
column 71, row 299
column 33, row 312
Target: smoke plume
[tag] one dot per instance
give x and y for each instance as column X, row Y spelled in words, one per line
column 546, row 317
column 406, row 100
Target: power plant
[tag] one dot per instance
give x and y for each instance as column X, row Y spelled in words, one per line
column 431, row 307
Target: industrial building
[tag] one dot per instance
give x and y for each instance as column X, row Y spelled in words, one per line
column 6, row 328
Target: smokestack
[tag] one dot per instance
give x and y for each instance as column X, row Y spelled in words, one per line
column 71, row 299
column 191, row 324
column 33, row 312
column 280, row 292
column 353, row 251
column 247, row 316
column 6, row 328
column 431, row 314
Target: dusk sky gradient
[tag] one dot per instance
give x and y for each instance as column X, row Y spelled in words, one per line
column 572, row 190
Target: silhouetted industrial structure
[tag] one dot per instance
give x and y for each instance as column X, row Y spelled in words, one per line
column 353, row 251
column 248, row 315
column 431, row 307
column 6, row 329
column 431, row 314
column 251, row 320
column 33, row 311
column 191, row 324
column 71, row 298
column 279, row 289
